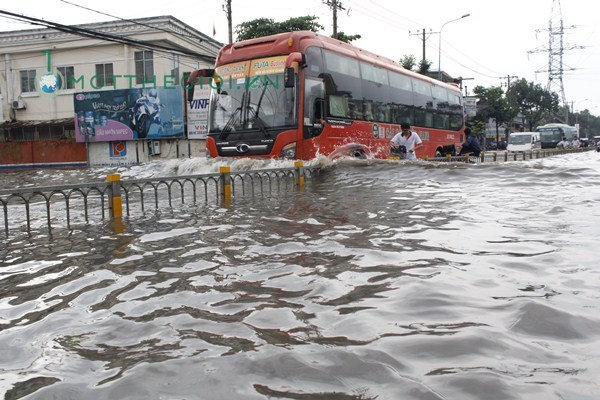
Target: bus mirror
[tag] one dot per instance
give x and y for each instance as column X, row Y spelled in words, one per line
column 288, row 77
column 190, row 93
column 193, row 78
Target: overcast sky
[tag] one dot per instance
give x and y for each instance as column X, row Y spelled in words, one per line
column 493, row 42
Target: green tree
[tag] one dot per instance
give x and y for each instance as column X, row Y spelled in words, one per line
column 346, row 38
column 408, row 61
column 535, row 103
column 589, row 125
column 256, row 28
column 266, row 26
column 493, row 104
column 306, row 23
column 478, row 128
column 424, row 66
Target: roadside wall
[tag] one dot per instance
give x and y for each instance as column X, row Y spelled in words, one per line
column 47, row 152
column 141, row 151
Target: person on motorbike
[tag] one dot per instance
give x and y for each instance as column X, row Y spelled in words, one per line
column 146, row 112
column 153, row 102
column 406, row 142
column 471, row 145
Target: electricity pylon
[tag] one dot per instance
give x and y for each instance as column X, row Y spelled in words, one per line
column 556, row 49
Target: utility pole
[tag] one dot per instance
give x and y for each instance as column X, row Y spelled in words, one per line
column 227, row 9
column 556, row 49
column 423, row 39
column 508, row 78
column 507, row 84
column 335, row 5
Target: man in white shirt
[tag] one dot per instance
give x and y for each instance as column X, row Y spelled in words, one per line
column 409, row 139
column 575, row 143
column 563, row 144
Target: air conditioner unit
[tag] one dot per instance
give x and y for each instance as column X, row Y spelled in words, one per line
column 18, row 105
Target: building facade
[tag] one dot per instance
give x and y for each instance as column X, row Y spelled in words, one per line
column 124, row 54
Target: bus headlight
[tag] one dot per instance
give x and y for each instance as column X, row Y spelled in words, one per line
column 289, row 151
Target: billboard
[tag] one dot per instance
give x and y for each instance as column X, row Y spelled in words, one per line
column 128, row 114
column 198, row 112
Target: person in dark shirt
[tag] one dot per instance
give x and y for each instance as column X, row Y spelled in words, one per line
column 471, row 145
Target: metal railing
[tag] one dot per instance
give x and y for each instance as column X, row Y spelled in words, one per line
column 505, row 156
column 98, row 197
column 60, row 203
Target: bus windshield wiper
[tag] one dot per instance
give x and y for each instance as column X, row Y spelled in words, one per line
column 231, row 121
column 243, row 112
column 261, row 124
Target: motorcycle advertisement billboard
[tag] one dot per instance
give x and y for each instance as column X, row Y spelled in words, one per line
column 129, row 114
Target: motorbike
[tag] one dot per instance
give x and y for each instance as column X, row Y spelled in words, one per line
column 399, row 151
column 144, row 114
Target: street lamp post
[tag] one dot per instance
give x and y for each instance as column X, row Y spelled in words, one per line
column 440, row 45
column 578, row 110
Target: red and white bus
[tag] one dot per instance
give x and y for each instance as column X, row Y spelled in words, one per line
column 300, row 94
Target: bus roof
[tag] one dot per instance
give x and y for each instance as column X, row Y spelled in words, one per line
column 288, row 42
column 556, row 125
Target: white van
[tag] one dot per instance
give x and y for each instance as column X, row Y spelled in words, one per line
column 524, row 141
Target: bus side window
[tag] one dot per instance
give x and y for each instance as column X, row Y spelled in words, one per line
column 355, row 109
column 338, row 106
column 314, row 101
column 330, row 87
column 314, row 107
column 368, row 105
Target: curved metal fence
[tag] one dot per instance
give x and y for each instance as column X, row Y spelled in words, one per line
column 31, row 208
column 505, row 156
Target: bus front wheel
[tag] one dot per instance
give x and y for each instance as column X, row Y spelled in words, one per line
column 359, row 154
column 439, row 153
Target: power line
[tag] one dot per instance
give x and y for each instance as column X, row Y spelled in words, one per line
column 130, row 20
column 424, row 40
column 379, row 17
column 78, row 30
column 373, row 13
column 487, row 75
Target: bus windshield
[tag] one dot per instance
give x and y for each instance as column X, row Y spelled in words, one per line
column 551, row 134
column 251, row 104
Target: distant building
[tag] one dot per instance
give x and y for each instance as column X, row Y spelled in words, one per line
column 31, row 110
column 446, row 78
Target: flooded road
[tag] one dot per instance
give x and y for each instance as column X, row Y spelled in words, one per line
column 379, row 281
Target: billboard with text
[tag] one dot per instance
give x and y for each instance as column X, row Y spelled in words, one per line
column 128, row 114
column 197, row 120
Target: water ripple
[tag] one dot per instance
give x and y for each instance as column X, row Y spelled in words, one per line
column 380, row 280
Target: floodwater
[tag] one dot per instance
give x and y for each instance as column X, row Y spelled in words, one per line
column 381, row 280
